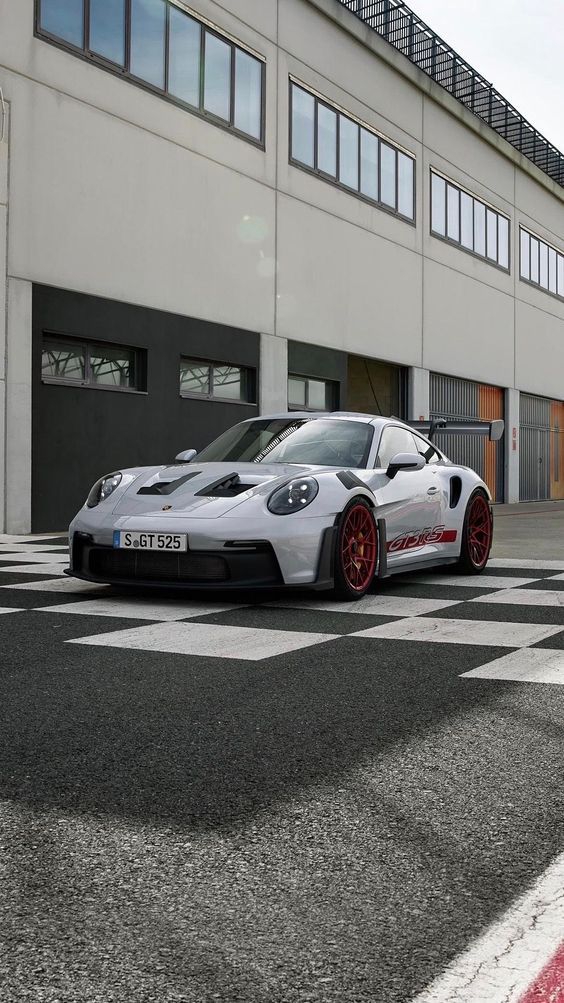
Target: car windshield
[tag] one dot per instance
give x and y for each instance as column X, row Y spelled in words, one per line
column 327, row 442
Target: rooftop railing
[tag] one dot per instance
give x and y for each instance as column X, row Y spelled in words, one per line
column 403, row 29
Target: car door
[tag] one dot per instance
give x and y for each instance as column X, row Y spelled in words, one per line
column 412, row 502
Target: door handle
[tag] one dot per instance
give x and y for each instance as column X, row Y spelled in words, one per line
column 432, row 491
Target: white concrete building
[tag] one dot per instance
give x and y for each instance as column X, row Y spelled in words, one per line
column 221, row 207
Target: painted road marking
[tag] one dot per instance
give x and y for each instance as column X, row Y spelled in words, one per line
column 72, row 585
column 34, row 558
column 505, row 635
column 141, row 608
column 469, row 581
column 530, row 665
column 383, row 605
column 525, row 597
column 514, row 955
column 35, row 569
column 190, row 638
column 525, row 562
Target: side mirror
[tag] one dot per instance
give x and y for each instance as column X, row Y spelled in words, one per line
column 404, row 461
column 186, row 456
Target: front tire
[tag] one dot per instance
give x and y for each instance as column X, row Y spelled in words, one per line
column 356, row 551
column 477, row 534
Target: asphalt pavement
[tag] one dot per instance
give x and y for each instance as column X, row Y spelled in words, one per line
column 271, row 803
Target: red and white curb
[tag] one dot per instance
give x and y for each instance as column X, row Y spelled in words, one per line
column 520, row 959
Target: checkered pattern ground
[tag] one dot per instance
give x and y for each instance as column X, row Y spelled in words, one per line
column 513, row 614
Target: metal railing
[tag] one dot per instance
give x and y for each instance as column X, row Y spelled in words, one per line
column 403, row 29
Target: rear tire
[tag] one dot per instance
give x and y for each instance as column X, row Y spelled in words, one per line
column 356, row 551
column 477, row 534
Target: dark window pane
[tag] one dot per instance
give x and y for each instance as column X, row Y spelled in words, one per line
column 296, row 391
column 525, row 255
column 480, row 228
column 491, row 230
column 147, row 40
column 405, row 185
column 387, row 175
column 327, row 140
column 248, row 94
column 217, row 77
column 453, row 208
column 534, row 260
column 62, row 362
column 543, row 266
column 369, row 164
column 438, row 205
column 303, row 106
column 467, row 221
column 348, row 152
column 107, row 29
column 503, row 241
column 64, row 18
column 184, row 57
column 112, row 367
column 194, row 377
column 552, row 270
column 228, row 382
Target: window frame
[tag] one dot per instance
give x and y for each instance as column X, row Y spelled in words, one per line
column 333, row 385
column 550, row 247
column 210, row 396
column 334, row 181
column 124, row 72
column 487, row 207
column 87, row 344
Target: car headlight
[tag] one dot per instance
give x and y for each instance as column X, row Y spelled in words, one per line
column 103, row 489
column 293, row 497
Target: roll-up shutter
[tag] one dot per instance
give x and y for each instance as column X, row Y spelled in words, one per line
column 541, row 450
column 462, row 399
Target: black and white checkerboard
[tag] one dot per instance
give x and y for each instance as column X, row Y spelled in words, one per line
column 514, row 610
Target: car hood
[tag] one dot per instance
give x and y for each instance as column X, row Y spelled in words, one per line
column 203, row 490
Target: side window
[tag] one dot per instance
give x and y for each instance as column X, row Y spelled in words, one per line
column 394, row 440
column 425, row 449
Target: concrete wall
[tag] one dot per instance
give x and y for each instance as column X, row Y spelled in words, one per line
column 116, row 193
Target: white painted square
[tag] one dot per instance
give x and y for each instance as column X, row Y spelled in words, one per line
column 375, row 604
column 60, row 585
column 525, row 562
column 469, row 581
column 529, row 665
column 555, row 578
column 10, row 609
column 209, row 640
column 30, row 548
column 140, row 609
column 34, row 538
column 35, row 569
column 35, row 558
column 443, row 631
column 526, row 597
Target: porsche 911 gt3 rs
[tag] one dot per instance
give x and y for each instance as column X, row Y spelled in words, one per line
column 330, row 501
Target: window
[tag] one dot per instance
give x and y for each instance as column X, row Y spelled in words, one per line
column 338, row 148
column 541, row 264
column 308, row 394
column 464, row 220
column 394, row 440
column 216, row 381
column 69, row 361
column 159, row 45
column 425, row 449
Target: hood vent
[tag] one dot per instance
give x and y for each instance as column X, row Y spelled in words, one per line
column 225, row 487
column 167, row 487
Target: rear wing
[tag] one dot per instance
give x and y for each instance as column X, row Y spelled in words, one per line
column 492, row 429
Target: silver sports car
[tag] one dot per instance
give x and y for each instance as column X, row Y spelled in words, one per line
column 302, row 499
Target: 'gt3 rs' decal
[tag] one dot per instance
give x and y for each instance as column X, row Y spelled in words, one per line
column 409, row 541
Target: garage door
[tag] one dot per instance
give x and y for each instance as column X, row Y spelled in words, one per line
column 462, row 399
column 541, row 450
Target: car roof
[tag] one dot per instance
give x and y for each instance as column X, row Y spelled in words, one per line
column 368, row 419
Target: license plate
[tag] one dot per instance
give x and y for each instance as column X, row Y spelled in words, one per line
column 171, row 542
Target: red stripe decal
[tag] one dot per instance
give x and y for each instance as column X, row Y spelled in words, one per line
column 548, row 987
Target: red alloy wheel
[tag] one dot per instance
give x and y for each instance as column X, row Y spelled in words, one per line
column 479, row 531
column 359, row 547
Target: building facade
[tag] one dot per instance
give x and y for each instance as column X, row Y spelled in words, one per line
column 213, row 210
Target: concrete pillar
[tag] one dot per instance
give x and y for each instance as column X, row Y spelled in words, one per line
column 417, row 394
column 273, row 390
column 512, row 435
column 4, row 130
column 18, row 408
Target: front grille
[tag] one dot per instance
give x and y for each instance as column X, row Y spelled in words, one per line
column 156, row 566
